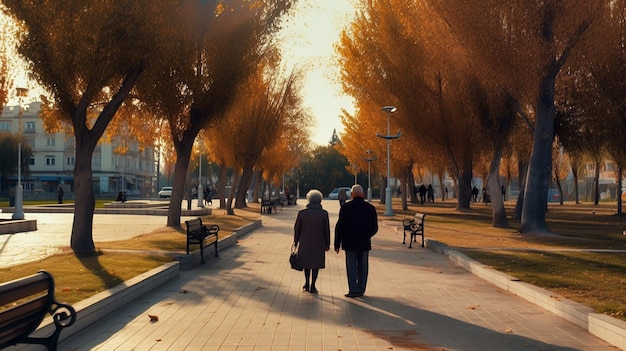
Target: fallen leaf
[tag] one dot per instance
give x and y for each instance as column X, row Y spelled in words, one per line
column 473, row 307
column 183, row 291
column 508, row 331
column 153, row 318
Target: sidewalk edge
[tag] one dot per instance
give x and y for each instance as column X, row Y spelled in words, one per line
column 607, row 328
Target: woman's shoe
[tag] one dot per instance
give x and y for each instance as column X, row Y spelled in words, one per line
column 305, row 287
column 313, row 290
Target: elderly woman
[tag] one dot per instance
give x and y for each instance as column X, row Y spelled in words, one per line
column 312, row 236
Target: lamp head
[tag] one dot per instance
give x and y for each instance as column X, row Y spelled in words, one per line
column 389, row 108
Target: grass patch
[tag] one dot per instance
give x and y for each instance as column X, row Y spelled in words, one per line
column 595, row 279
column 77, row 278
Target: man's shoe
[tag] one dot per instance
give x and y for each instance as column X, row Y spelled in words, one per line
column 352, row 295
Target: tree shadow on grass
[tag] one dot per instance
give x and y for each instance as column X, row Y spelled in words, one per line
column 92, row 263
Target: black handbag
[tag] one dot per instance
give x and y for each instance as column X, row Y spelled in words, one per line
column 293, row 259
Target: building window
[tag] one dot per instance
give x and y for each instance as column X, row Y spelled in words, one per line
column 30, row 127
column 50, row 160
column 31, row 161
column 51, row 141
column 70, row 160
column 29, row 186
column 5, row 125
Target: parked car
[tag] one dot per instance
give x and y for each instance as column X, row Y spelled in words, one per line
column 165, row 191
column 333, row 195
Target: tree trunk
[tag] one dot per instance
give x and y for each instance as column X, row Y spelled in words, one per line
column 221, row 185
column 519, row 203
column 596, row 184
column 233, row 193
column 256, row 194
column 82, row 228
column 442, row 186
column 618, row 191
column 465, row 181
column 540, row 166
column 411, row 185
column 244, row 185
column 383, row 192
column 494, row 187
column 181, row 168
column 575, row 175
column 558, row 184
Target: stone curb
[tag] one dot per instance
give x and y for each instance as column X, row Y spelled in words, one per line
column 99, row 306
column 607, row 328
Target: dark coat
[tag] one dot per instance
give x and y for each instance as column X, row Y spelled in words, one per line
column 357, row 224
column 312, row 232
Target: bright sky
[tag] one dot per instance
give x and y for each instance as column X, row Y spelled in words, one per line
column 308, row 41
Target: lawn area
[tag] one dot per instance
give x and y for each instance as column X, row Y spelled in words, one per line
column 584, row 259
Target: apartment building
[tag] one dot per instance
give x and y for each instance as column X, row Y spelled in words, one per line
column 52, row 162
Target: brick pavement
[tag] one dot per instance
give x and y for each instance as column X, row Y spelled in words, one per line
column 249, row 299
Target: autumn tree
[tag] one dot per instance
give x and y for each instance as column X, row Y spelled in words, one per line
column 544, row 36
column 88, row 56
column 216, row 48
column 259, row 125
column 6, row 67
column 404, row 44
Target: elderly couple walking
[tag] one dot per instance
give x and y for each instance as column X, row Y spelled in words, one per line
column 357, row 223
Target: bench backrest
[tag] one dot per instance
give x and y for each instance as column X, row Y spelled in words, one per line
column 24, row 303
column 193, row 225
column 419, row 218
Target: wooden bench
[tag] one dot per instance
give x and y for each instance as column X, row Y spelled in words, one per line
column 415, row 227
column 199, row 234
column 24, row 303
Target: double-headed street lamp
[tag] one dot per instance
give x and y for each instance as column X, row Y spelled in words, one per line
column 389, row 110
column 369, row 160
column 18, row 213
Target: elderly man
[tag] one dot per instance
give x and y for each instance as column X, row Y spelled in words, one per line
column 357, row 224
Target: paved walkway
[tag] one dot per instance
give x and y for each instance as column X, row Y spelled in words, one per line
column 249, row 299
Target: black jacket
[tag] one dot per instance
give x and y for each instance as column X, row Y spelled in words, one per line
column 357, row 223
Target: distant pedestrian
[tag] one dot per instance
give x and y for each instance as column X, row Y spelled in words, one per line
column 342, row 196
column 207, row 196
column 485, row 196
column 422, row 190
column 356, row 225
column 312, row 237
column 431, row 193
column 60, row 194
column 475, row 193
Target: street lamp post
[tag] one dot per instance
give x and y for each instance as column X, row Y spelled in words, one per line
column 18, row 213
column 369, row 160
column 389, row 110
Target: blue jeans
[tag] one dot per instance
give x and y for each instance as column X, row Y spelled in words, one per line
column 357, row 269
